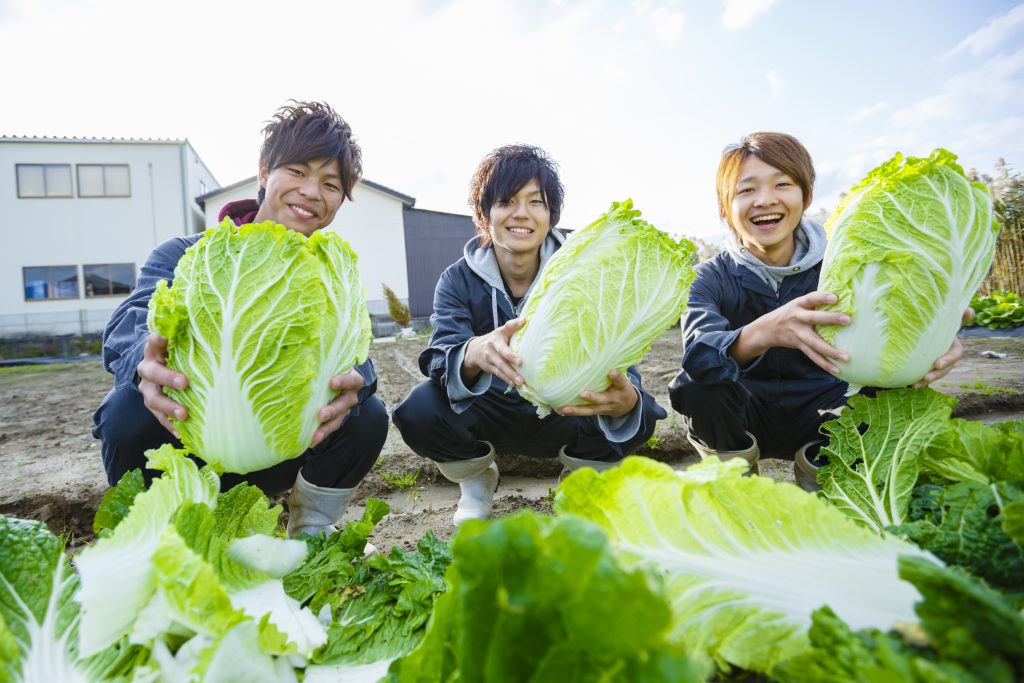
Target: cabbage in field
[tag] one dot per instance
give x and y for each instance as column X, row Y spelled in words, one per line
column 745, row 560
column 600, row 303
column 259, row 318
column 907, row 249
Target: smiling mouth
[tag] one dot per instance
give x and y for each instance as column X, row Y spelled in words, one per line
column 520, row 231
column 305, row 213
column 769, row 220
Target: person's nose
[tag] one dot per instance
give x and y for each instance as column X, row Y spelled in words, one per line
column 765, row 197
column 310, row 188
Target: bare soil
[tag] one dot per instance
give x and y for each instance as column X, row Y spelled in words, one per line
column 50, row 466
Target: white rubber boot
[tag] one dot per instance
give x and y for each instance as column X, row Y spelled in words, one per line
column 572, row 464
column 478, row 480
column 751, row 454
column 312, row 508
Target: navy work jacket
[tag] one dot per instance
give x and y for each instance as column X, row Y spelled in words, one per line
column 725, row 297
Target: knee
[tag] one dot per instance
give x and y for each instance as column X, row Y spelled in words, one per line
column 689, row 397
column 127, row 430
column 418, row 414
column 374, row 414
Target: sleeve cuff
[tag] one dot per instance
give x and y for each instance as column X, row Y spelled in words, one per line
column 457, row 391
column 624, row 427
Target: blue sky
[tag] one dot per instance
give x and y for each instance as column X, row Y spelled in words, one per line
column 633, row 99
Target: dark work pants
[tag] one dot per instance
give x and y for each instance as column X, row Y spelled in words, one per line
column 782, row 415
column 127, row 430
column 433, row 430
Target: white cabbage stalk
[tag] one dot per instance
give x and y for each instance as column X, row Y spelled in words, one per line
column 907, row 250
column 259, row 318
column 603, row 298
column 121, row 564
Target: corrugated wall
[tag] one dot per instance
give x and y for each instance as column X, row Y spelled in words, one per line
column 433, row 241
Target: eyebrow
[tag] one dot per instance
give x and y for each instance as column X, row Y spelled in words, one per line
column 751, row 178
column 330, row 174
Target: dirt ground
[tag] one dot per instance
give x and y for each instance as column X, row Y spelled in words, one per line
column 50, row 465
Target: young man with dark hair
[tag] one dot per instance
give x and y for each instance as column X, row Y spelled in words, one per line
column 308, row 166
column 756, row 375
column 469, row 409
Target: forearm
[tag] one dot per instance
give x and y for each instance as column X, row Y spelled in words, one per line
column 750, row 344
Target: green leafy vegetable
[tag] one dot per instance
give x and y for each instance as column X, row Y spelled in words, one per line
column 963, row 525
column 611, row 290
column 871, row 472
column 975, row 451
column 382, row 611
column 745, row 560
column 117, row 501
column 544, row 600
column 121, row 563
column 908, row 246
column 967, row 621
column 259, row 318
column 39, row 620
column 1000, row 309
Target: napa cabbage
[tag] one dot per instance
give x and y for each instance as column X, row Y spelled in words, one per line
column 259, row 318
column 600, row 302
column 745, row 561
column 907, row 249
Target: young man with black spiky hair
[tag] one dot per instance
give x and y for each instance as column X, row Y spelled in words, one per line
column 308, row 166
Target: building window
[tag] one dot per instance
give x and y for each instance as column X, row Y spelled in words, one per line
column 44, row 180
column 103, row 180
column 202, row 187
column 50, row 282
column 108, row 279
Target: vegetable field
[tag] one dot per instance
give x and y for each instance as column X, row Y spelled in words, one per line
column 604, row 589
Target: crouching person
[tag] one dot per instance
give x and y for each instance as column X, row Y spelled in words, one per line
column 468, row 411
column 308, row 165
column 756, row 375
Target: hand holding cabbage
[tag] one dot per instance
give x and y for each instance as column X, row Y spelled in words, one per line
column 599, row 304
column 907, row 249
column 261, row 319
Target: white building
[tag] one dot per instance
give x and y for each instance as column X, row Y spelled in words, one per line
column 373, row 224
column 81, row 216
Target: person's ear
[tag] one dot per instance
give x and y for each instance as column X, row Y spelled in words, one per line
column 262, row 176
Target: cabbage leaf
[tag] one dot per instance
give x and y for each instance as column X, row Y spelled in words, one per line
column 745, row 560
column 908, row 247
column 603, row 298
column 259, row 318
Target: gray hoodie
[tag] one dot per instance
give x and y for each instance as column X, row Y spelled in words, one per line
column 483, row 262
column 810, row 249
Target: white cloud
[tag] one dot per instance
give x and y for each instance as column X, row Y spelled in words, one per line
column 865, row 113
column 739, row 13
column 990, row 36
column 668, row 24
column 996, row 85
column 775, row 83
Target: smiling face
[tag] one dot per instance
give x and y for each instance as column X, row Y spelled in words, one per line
column 302, row 196
column 520, row 224
column 766, row 210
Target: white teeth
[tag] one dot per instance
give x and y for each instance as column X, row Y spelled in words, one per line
column 520, row 231
column 767, row 219
column 302, row 212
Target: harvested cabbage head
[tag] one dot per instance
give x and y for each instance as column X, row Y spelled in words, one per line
column 611, row 290
column 259, row 318
column 907, row 249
